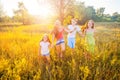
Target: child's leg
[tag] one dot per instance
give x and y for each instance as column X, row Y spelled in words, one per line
column 71, row 43
column 48, row 59
column 58, row 50
column 40, row 61
column 62, row 49
column 44, row 59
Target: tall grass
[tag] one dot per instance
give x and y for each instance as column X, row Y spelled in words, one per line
column 19, row 56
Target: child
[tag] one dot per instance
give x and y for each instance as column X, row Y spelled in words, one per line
column 73, row 28
column 57, row 33
column 89, row 36
column 44, row 48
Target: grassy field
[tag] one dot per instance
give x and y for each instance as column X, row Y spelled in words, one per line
column 19, row 55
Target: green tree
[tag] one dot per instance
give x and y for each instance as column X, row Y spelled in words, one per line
column 107, row 18
column 116, row 16
column 100, row 13
column 90, row 12
column 6, row 19
column 61, row 7
column 22, row 14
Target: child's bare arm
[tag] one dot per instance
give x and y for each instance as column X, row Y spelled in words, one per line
column 67, row 30
column 81, row 34
column 50, row 46
column 53, row 38
column 73, row 30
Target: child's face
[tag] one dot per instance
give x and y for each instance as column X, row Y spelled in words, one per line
column 58, row 23
column 45, row 38
column 90, row 24
column 73, row 22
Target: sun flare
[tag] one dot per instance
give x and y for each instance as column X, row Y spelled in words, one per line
column 44, row 11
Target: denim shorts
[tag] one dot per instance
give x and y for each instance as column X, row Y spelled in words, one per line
column 71, row 42
column 60, row 41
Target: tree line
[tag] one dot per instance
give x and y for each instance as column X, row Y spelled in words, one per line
column 65, row 10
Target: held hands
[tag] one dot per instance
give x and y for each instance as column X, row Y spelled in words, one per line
column 73, row 30
column 82, row 35
column 69, row 31
column 52, row 45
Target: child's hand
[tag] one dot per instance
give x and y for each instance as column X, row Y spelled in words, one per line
column 83, row 36
column 52, row 45
column 73, row 30
column 70, row 31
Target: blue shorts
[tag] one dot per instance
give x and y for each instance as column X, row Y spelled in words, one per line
column 71, row 42
column 60, row 41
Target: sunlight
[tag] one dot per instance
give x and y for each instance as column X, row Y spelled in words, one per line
column 44, row 11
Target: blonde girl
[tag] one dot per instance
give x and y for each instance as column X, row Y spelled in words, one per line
column 57, row 33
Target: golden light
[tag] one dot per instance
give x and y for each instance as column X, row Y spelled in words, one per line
column 40, row 8
column 44, row 11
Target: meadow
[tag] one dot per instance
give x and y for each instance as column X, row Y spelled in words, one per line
column 19, row 58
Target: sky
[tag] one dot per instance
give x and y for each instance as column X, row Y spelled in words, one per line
column 34, row 8
column 111, row 6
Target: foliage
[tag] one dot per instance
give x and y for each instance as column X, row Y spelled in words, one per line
column 22, row 15
column 61, row 7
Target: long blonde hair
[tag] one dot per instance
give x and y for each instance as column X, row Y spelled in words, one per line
column 56, row 25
